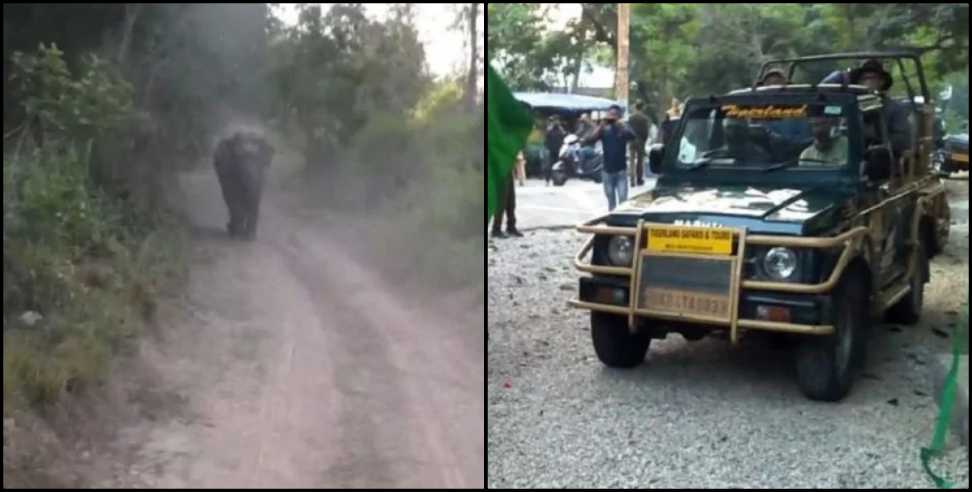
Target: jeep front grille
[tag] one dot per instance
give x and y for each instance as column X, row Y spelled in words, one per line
column 682, row 285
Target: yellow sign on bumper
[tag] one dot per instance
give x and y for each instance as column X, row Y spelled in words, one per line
column 697, row 240
column 961, row 158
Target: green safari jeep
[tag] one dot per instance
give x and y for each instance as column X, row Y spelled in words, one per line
column 779, row 210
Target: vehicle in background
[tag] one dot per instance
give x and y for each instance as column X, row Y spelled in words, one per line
column 577, row 161
column 953, row 156
column 569, row 107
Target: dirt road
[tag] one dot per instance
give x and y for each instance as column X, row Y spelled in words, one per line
column 289, row 364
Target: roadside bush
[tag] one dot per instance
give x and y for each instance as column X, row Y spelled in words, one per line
column 440, row 212
column 77, row 259
column 416, row 183
column 85, row 106
column 81, row 267
column 385, row 157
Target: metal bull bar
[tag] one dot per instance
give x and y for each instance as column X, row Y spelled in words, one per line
column 849, row 240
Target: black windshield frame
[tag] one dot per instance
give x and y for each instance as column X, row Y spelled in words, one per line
column 850, row 110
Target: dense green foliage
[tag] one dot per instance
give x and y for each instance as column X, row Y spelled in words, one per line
column 331, row 72
column 696, row 49
column 381, row 139
column 75, row 255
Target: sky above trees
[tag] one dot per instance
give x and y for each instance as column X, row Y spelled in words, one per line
column 431, row 20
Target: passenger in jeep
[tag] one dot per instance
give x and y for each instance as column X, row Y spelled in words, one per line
column 773, row 77
column 740, row 145
column 825, row 149
column 872, row 74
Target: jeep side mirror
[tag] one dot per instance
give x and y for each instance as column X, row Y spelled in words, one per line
column 877, row 164
column 655, row 158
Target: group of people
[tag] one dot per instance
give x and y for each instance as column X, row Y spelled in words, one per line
column 615, row 137
column 870, row 74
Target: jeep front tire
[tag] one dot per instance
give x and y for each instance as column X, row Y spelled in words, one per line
column 825, row 365
column 614, row 344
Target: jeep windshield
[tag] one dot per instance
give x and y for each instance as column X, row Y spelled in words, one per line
column 762, row 137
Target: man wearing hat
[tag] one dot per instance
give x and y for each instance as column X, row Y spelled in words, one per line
column 774, row 76
column 790, row 130
column 872, row 75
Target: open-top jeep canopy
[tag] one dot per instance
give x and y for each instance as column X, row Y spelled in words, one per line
column 897, row 56
column 565, row 103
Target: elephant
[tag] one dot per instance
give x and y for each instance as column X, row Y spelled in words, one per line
column 241, row 162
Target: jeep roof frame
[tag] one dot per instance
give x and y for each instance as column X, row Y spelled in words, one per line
column 803, row 89
column 864, row 55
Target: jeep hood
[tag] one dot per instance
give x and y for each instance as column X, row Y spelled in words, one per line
column 759, row 208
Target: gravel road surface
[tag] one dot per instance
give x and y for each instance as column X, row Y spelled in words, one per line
column 699, row 414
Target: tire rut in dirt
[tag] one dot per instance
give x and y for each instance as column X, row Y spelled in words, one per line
column 375, row 454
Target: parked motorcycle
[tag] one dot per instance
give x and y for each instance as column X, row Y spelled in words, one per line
column 577, row 161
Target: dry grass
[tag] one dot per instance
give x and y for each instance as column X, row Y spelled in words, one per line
column 106, row 305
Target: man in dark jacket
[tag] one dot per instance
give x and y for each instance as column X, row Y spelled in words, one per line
column 614, row 136
column 639, row 125
column 554, row 140
column 872, row 75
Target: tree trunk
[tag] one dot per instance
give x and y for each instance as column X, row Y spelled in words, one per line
column 471, row 82
column 666, row 97
column 131, row 15
column 621, row 76
column 601, row 33
column 577, row 62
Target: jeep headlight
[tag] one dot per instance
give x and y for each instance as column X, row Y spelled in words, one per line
column 620, row 251
column 780, row 263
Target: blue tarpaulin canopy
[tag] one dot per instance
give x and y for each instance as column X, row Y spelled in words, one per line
column 565, row 103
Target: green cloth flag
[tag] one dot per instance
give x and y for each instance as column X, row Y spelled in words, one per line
column 509, row 125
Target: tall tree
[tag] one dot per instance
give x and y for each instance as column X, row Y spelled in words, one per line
column 333, row 70
column 514, row 36
column 473, row 77
column 675, row 47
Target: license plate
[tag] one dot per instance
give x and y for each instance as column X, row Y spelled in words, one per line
column 676, row 239
column 960, row 157
column 688, row 303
